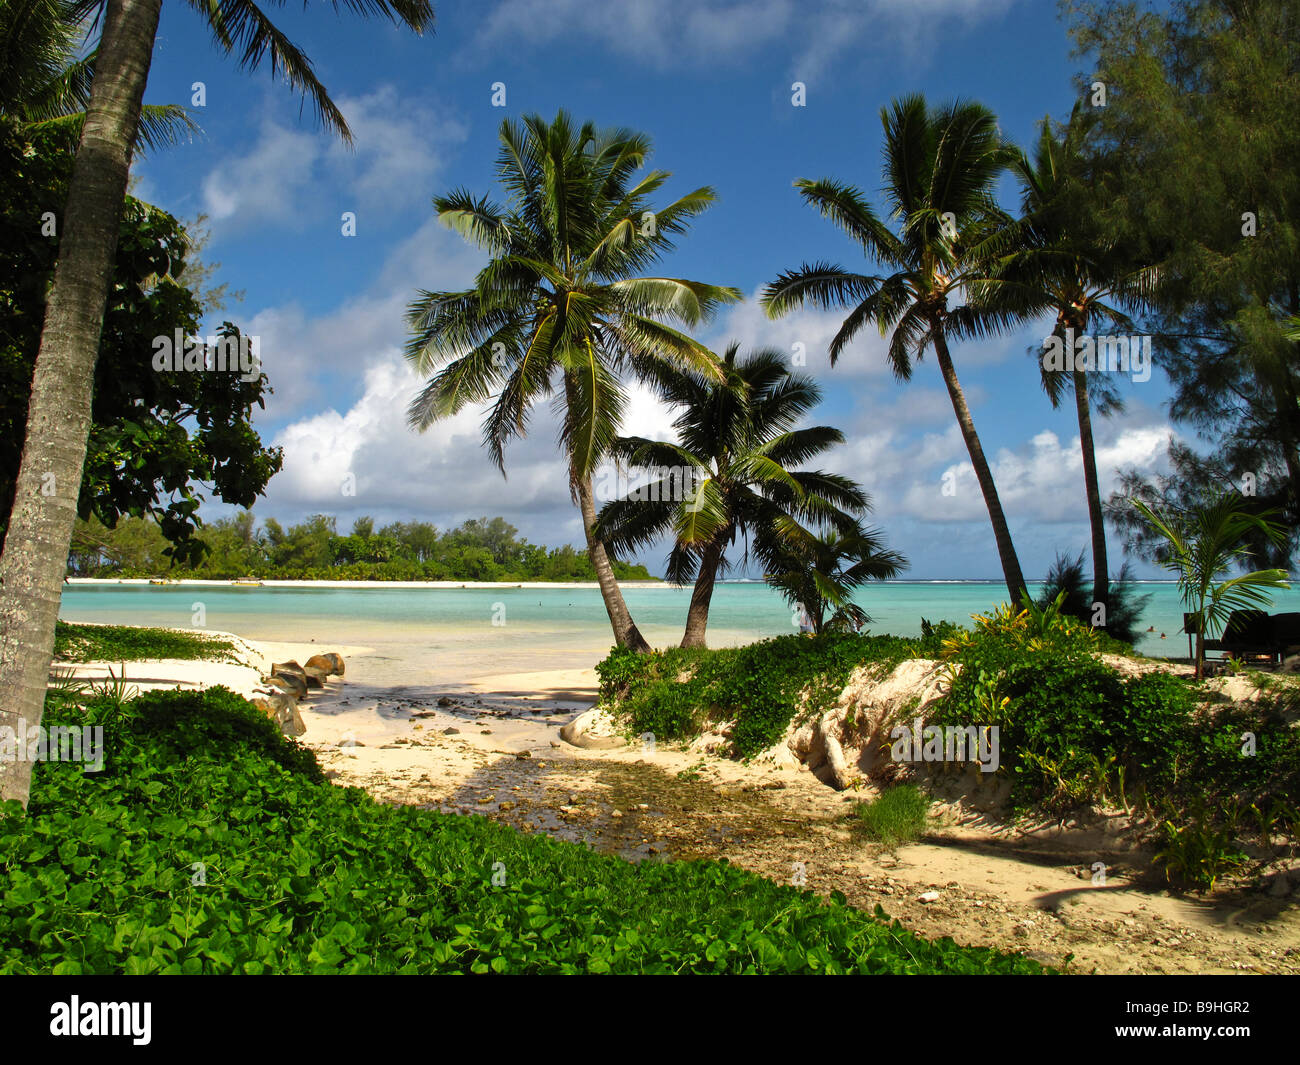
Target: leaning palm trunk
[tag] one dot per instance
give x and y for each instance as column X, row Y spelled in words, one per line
column 35, row 557
column 1100, row 580
column 1006, row 549
column 626, row 634
column 697, row 617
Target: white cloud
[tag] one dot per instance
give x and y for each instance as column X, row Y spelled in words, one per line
column 810, row 327
column 398, row 148
column 266, row 182
column 443, row 474
column 668, row 33
column 306, row 357
column 1040, row 480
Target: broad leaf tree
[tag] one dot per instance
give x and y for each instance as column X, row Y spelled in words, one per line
column 59, row 413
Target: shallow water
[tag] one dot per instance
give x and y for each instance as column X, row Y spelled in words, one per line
column 494, row 630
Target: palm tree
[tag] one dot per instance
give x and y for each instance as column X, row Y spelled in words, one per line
column 35, row 554
column 820, row 574
column 1201, row 545
column 562, row 309
column 45, row 75
column 730, row 475
column 940, row 167
column 1063, row 264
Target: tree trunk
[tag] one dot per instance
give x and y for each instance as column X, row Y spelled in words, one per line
column 1006, row 550
column 1100, row 570
column 697, row 617
column 35, row 557
column 626, row 634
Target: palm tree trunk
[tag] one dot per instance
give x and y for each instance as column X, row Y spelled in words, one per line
column 697, row 617
column 1100, row 569
column 1006, row 549
column 35, row 557
column 626, row 634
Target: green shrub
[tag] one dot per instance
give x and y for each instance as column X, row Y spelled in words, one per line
column 210, row 845
column 173, row 727
column 759, row 687
column 665, row 708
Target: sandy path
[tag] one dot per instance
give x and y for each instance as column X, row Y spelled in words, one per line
column 502, row 756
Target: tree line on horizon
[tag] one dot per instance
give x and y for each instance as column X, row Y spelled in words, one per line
column 479, row 549
column 1166, row 204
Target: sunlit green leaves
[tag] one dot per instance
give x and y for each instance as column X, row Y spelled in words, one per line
column 306, row 877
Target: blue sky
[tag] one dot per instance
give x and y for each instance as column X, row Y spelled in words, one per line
column 711, row 84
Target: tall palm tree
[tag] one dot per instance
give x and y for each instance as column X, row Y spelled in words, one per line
column 1062, row 264
column 819, row 575
column 35, row 554
column 730, row 474
column 940, row 168
column 562, row 309
column 47, row 66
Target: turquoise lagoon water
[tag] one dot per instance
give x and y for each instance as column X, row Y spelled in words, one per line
column 572, row 617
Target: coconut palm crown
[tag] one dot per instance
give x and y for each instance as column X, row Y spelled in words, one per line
column 940, row 168
column 564, row 309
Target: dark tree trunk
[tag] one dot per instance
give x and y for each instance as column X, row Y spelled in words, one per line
column 1001, row 533
column 35, row 558
column 1100, row 570
column 697, row 617
column 626, row 634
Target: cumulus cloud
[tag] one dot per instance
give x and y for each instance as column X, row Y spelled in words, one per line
column 399, row 147
column 366, row 460
column 929, row 476
column 807, row 333
column 316, row 359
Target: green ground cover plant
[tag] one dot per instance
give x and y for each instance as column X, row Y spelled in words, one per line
column 128, row 643
column 210, row 843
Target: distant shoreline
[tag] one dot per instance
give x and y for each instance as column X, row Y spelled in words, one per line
column 272, row 582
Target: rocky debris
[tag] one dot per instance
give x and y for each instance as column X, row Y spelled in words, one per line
column 282, row 708
column 294, row 684
column 330, row 662
column 290, row 682
column 594, row 729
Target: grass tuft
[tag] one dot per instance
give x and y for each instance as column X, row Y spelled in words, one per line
column 896, row 816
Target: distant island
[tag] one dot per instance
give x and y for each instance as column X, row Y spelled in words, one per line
column 480, row 549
